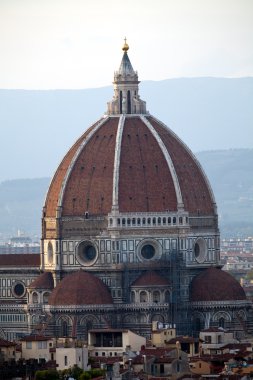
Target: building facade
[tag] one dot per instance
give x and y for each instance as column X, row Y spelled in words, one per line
column 130, row 233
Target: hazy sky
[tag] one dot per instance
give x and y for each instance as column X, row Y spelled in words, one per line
column 48, row 44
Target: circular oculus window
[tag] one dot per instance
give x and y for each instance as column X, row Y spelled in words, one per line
column 18, row 290
column 86, row 253
column 149, row 250
column 200, row 250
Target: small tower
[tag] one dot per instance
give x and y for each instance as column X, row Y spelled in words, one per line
column 126, row 99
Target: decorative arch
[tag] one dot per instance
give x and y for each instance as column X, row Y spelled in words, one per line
column 142, row 318
column 156, row 296
column 45, row 297
column 241, row 315
column 35, row 319
column 143, row 296
column 88, row 318
column 35, row 297
column 221, row 315
column 129, row 318
column 157, row 318
column 167, row 296
column 85, row 324
column 2, row 334
column 64, row 326
column 50, row 252
column 198, row 321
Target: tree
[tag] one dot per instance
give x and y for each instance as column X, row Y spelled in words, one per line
column 50, row 374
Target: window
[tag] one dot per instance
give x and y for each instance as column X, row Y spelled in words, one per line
column 42, row 345
column 143, row 296
column 65, row 360
column 148, row 251
column 50, row 252
column 222, row 322
column 64, row 328
column 156, row 296
column 207, row 339
column 35, row 297
column 28, row 345
column 86, row 253
column 167, row 296
column 45, row 297
column 18, row 289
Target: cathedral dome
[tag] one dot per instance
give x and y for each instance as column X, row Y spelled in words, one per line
column 216, row 285
column 134, row 162
column 44, row 281
column 80, row 288
column 130, row 162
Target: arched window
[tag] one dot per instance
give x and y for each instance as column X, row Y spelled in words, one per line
column 45, row 297
column 222, row 322
column 129, row 102
column 35, row 297
column 120, row 100
column 133, row 297
column 156, row 296
column 64, row 328
column 197, row 324
column 143, row 296
column 167, row 296
column 50, row 252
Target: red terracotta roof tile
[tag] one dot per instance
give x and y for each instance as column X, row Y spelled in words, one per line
column 44, row 281
column 20, row 259
column 151, row 279
column 216, row 285
column 80, row 288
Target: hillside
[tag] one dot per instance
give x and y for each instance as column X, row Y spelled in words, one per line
column 229, row 171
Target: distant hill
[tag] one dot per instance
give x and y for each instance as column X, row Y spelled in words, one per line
column 229, row 171
column 37, row 127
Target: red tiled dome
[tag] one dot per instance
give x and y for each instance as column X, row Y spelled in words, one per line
column 44, row 281
column 155, row 171
column 80, row 288
column 216, row 285
column 151, row 279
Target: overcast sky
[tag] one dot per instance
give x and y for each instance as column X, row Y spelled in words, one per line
column 48, row 44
